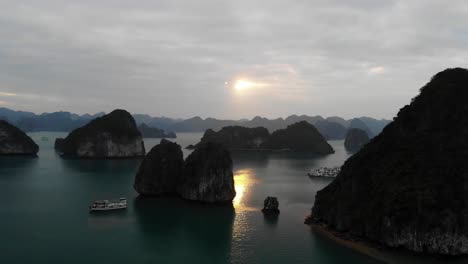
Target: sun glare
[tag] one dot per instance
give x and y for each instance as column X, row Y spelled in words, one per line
column 244, row 180
column 241, row 85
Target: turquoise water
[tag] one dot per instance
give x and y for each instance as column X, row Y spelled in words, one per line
column 44, row 213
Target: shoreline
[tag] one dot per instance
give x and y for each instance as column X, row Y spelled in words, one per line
column 379, row 253
column 354, row 244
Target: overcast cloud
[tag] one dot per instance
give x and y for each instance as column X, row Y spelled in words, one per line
column 174, row 58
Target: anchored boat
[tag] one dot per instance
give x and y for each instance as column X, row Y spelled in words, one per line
column 106, row 205
column 324, row 172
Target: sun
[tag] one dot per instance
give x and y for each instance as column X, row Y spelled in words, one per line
column 242, row 85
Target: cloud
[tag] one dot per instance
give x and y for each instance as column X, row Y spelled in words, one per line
column 7, row 94
column 172, row 57
column 376, row 70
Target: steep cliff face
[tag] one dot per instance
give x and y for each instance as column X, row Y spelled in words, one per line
column 355, row 139
column 58, row 144
column 237, row 137
column 208, row 175
column 13, row 141
column 114, row 135
column 300, row 136
column 161, row 170
column 408, row 187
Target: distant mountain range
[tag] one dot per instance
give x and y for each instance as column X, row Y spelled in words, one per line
column 331, row 127
column 57, row 121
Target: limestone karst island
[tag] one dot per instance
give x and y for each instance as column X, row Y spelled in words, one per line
column 234, row 132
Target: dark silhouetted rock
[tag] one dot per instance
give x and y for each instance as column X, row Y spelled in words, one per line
column 358, row 123
column 114, row 135
column 237, row 137
column 300, row 136
column 161, row 170
column 270, row 205
column 190, row 147
column 13, row 141
column 152, row 132
column 408, row 187
column 208, row 175
column 355, row 139
column 58, row 145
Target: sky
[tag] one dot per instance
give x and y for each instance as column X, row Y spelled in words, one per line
column 226, row 59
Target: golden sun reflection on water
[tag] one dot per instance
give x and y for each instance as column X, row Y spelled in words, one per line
column 243, row 181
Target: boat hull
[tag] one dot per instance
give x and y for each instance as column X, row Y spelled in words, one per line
column 320, row 176
column 107, row 209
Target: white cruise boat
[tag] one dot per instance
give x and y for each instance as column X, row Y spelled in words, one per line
column 324, row 172
column 106, row 205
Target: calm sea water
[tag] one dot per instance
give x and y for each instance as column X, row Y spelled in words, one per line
column 44, row 214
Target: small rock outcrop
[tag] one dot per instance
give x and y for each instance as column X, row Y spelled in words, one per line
column 407, row 188
column 270, row 206
column 237, row 137
column 208, row 175
column 355, row 139
column 300, row 136
column 114, row 135
column 153, row 132
column 13, row 141
column 161, row 170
